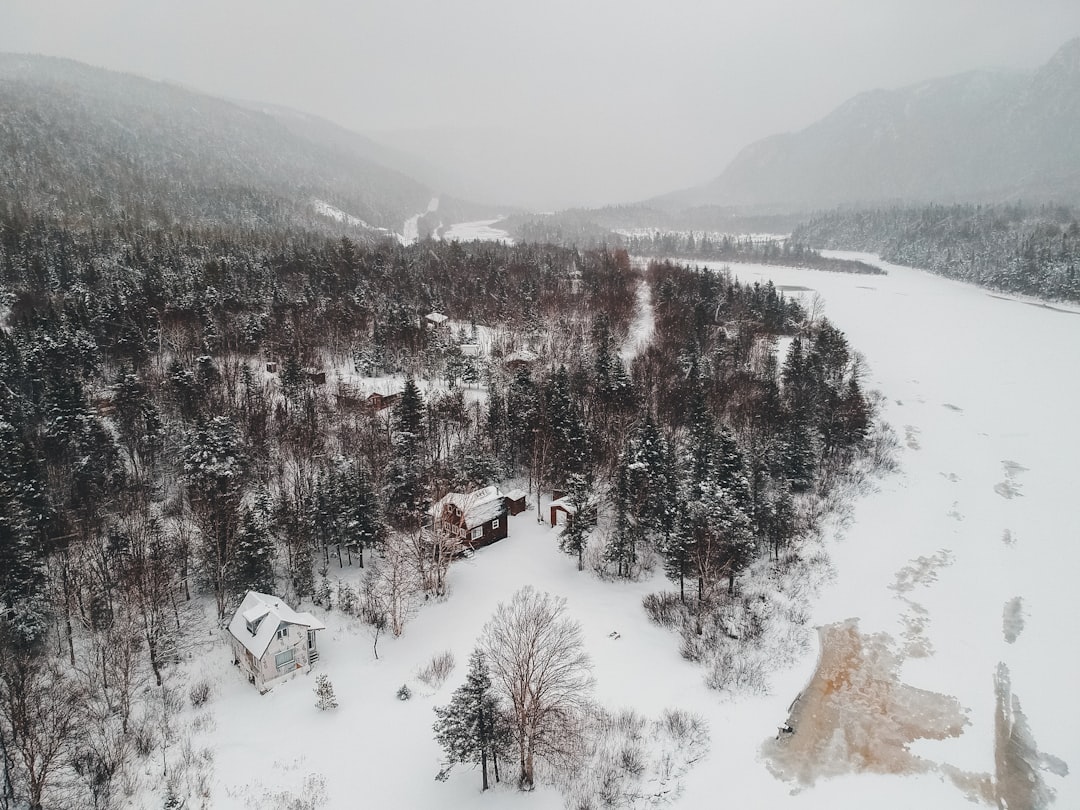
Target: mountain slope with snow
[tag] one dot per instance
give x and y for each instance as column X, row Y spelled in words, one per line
column 978, row 136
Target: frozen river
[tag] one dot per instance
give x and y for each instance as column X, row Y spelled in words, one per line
column 973, row 549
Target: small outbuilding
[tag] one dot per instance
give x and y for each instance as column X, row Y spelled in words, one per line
column 436, row 320
column 271, row 641
column 476, row 518
column 562, row 512
column 515, row 501
column 523, row 358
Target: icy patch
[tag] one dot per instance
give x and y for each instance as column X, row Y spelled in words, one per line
column 921, row 571
column 856, row 716
column 911, row 437
column 1012, row 619
column 1019, row 764
column 1009, row 488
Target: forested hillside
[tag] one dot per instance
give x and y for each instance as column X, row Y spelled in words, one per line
column 152, row 460
column 1015, row 248
column 95, row 146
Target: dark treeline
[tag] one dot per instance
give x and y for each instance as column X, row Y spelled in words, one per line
column 149, row 460
column 1013, row 248
column 726, row 248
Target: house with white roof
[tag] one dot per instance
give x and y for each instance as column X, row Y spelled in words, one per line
column 271, row 641
column 477, row 518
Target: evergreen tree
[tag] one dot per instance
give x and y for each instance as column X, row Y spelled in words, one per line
column 471, row 729
column 575, row 537
column 324, row 691
column 405, row 500
column 215, row 469
column 252, row 565
column 621, row 548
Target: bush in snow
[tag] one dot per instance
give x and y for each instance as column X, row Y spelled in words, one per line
column 199, row 694
column 324, row 690
column 404, row 693
column 664, row 608
column 438, row 669
column 627, row 760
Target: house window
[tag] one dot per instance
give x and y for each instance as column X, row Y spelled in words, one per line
column 285, row 660
column 477, row 533
column 495, row 523
column 283, row 632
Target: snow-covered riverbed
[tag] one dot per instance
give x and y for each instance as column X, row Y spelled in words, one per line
column 975, row 542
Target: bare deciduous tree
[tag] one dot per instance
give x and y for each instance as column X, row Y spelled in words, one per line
column 536, row 655
column 41, row 714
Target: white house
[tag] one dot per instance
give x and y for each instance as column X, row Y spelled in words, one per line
column 271, row 641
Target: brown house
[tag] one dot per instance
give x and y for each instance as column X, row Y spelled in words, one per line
column 475, row 518
column 378, row 402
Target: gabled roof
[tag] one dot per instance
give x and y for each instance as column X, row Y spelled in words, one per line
column 436, row 317
column 478, row 507
column 269, row 612
column 565, row 505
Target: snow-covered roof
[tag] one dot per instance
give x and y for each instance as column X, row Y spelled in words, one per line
column 521, row 356
column 478, row 507
column 436, row 317
column 470, row 349
column 515, row 494
column 269, row 612
column 565, row 505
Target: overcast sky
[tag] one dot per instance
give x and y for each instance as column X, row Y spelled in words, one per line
column 555, row 102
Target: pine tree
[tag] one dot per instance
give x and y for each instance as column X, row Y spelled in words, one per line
column 252, row 565
column 575, row 537
column 621, row 548
column 405, row 500
column 324, row 690
column 471, row 729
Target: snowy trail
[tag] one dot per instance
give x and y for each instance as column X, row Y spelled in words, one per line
column 641, row 328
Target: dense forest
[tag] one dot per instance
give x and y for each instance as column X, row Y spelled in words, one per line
column 1013, row 248
column 182, row 419
column 585, row 228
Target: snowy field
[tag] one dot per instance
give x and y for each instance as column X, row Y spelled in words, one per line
column 966, row 558
column 482, row 229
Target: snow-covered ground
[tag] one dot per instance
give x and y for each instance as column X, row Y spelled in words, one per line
column 481, row 229
column 972, row 544
column 982, row 391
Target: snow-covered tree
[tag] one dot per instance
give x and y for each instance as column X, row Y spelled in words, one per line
column 472, row 729
column 324, row 691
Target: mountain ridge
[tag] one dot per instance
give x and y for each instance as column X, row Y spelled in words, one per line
column 983, row 135
column 91, row 144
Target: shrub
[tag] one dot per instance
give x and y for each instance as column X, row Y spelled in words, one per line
column 200, row 693
column 438, row 669
column 404, row 693
column 664, row 609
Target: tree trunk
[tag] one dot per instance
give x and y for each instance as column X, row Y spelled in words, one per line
column 483, row 768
